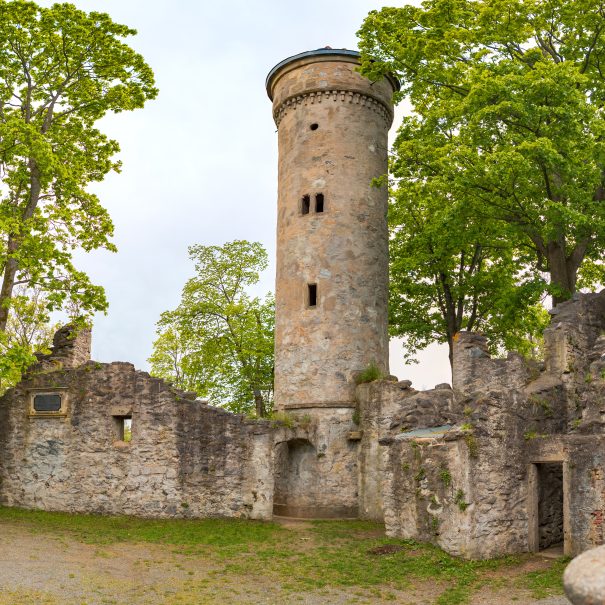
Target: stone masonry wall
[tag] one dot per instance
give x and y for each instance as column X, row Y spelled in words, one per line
column 478, row 486
column 316, row 465
column 385, row 407
column 185, row 459
column 332, row 127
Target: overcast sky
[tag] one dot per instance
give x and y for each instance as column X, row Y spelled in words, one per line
column 200, row 162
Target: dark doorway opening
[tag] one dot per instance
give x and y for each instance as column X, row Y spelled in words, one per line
column 550, row 505
column 546, row 508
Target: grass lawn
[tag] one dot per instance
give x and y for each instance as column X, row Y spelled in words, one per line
column 127, row 560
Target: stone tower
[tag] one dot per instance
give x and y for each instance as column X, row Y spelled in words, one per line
column 332, row 251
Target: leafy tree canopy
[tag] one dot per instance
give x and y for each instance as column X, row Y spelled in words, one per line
column 61, row 70
column 219, row 341
column 450, row 272
column 507, row 99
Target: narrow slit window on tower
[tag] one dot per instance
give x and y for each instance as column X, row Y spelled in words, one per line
column 319, row 202
column 305, row 205
column 312, row 288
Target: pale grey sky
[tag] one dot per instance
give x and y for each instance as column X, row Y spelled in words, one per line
column 200, row 162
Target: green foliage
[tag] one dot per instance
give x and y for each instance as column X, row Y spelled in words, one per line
column 61, row 70
column 471, row 444
column 445, row 476
column 282, row 419
column 28, row 331
column 219, row 341
column 420, row 475
column 459, row 500
column 369, row 374
column 504, row 147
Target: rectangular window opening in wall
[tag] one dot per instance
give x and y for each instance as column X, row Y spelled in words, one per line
column 122, row 428
column 305, row 204
column 312, row 295
column 319, row 202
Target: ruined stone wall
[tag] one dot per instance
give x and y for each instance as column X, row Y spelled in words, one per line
column 384, row 407
column 478, row 487
column 586, row 491
column 185, row 459
column 316, row 465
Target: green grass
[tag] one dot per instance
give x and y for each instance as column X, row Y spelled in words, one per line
column 96, row 529
column 321, row 555
column 369, row 374
column 543, row 584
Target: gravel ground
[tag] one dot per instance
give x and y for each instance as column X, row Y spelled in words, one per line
column 44, row 569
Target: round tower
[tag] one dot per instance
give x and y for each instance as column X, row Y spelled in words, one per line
column 332, row 240
column 332, row 268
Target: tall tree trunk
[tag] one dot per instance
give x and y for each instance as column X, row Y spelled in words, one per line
column 259, row 404
column 450, row 344
column 14, row 243
column 563, row 270
column 8, row 282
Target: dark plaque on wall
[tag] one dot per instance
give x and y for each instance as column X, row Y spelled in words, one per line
column 47, row 403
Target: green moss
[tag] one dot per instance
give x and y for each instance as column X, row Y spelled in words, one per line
column 542, row 403
column 459, row 500
column 281, row 419
column 420, row 475
column 471, row 443
column 445, row 476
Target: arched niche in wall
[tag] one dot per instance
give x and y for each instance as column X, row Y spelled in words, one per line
column 296, row 471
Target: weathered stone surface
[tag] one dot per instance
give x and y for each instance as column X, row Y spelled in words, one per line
column 332, row 126
column 523, row 466
column 185, row 459
column 316, row 465
column 584, row 578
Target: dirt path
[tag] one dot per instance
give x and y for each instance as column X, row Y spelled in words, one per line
column 53, row 568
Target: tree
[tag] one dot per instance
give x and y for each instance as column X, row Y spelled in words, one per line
column 450, row 273
column 61, row 70
column 219, row 341
column 507, row 101
column 28, row 331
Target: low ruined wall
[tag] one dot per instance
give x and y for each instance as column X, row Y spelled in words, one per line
column 385, row 407
column 460, row 493
column 185, row 459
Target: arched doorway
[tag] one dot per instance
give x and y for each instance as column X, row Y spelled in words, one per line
column 296, row 471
